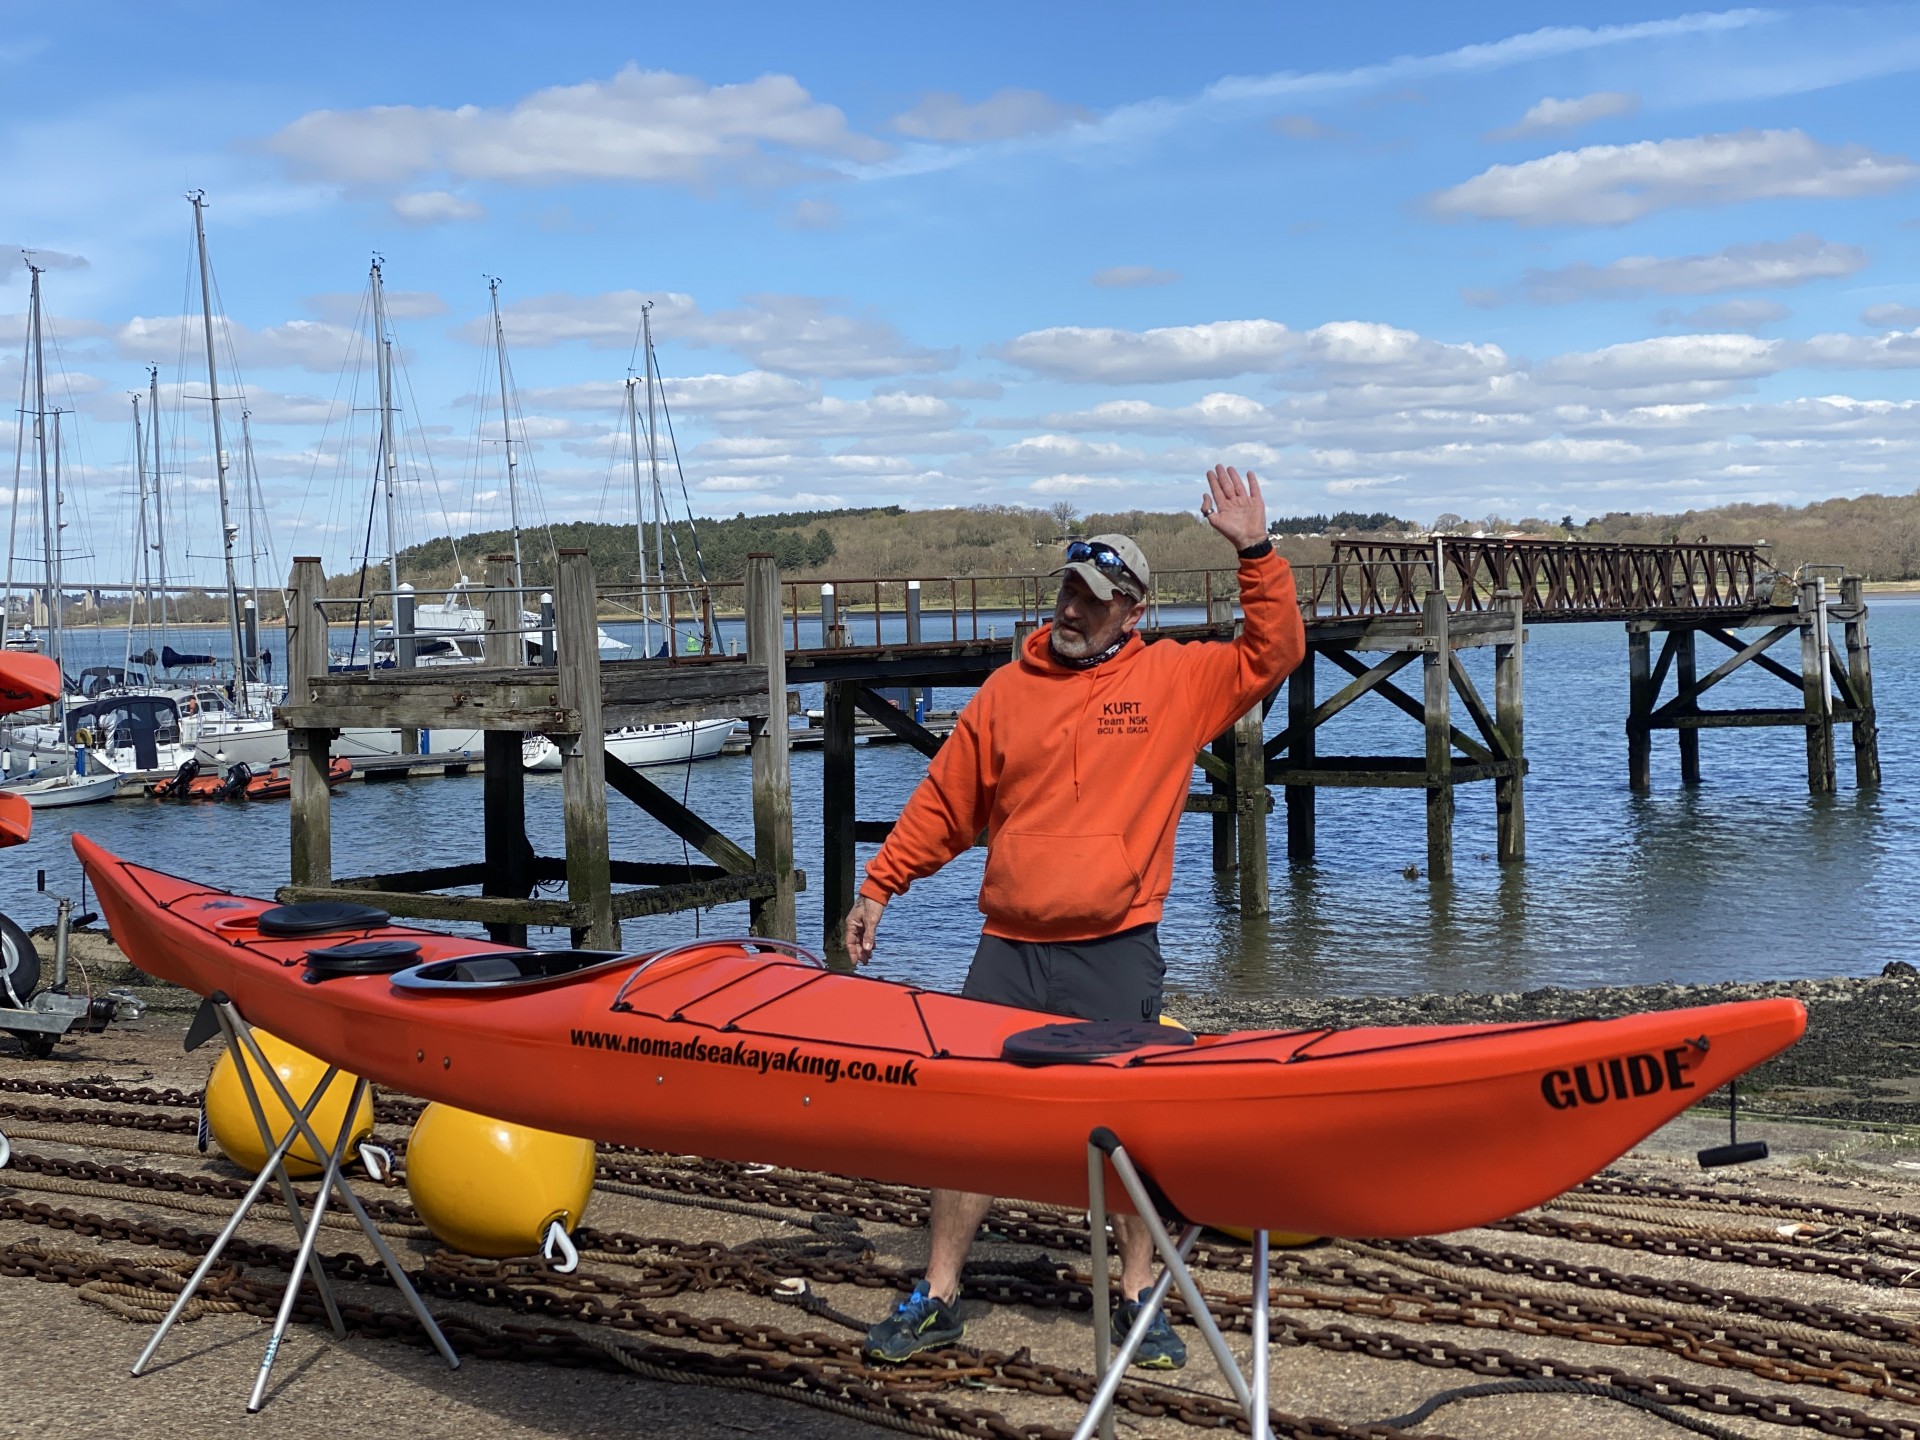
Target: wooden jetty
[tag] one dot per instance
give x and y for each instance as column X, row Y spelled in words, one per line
column 1373, row 612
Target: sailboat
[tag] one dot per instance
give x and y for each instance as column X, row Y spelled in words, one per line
column 369, row 740
column 682, row 741
column 49, row 755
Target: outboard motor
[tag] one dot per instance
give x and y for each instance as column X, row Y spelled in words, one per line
column 176, row 788
column 234, row 787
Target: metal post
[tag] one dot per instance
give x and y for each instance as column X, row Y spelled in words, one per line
column 1225, row 821
column 503, row 799
column 250, row 633
column 1436, row 657
column 829, row 616
column 546, row 628
column 917, row 697
column 837, row 813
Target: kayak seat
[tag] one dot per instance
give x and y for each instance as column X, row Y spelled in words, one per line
column 1082, row 1042
column 317, row 917
column 360, row 957
column 499, row 970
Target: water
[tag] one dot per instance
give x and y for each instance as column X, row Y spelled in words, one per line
column 1746, row 877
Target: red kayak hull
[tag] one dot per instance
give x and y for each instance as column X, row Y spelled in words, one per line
column 726, row 1052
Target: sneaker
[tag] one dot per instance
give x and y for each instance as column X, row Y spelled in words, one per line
column 1160, row 1349
column 922, row 1321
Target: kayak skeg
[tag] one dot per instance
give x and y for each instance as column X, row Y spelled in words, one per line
column 749, row 1050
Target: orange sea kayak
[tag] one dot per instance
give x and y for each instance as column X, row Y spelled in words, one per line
column 27, row 680
column 722, row 1049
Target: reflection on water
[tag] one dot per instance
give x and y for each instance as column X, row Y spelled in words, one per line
column 1745, row 877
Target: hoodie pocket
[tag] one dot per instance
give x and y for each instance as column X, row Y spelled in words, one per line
column 1045, row 881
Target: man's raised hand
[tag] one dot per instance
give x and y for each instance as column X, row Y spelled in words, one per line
column 1235, row 507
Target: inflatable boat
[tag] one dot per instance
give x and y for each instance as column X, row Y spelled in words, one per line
column 26, row 680
column 750, row 1050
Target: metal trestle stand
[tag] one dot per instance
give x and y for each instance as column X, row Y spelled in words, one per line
column 1103, row 1149
column 218, row 1011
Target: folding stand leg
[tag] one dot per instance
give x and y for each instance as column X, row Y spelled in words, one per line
column 332, row 1183
column 307, row 1241
column 395, row 1271
column 268, row 1140
column 1103, row 1145
column 254, row 1191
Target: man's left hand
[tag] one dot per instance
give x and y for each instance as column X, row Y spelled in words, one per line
column 1235, row 507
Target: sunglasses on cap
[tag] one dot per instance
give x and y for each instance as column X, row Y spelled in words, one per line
column 1103, row 558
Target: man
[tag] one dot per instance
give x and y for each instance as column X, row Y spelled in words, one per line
column 1076, row 762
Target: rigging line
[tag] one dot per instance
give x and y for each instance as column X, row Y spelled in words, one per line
column 433, row 474
column 699, row 562
column 13, row 524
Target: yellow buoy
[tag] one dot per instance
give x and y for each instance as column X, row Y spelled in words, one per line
column 230, row 1117
column 493, row 1189
column 1278, row 1239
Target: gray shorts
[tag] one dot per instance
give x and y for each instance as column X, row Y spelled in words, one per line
column 1117, row 977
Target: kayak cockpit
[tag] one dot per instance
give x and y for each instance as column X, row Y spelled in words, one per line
column 495, row 972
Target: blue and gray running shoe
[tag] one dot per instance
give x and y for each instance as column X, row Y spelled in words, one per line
column 922, row 1321
column 1160, row 1348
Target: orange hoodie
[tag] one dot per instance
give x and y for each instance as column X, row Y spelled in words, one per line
column 1079, row 776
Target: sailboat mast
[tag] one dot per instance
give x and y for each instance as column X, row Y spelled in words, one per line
column 639, row 517
column 159, row 505
column 228, row 530
column 383, row 364
column 506, row 430
column 139, row 534
column 653, row 465
column 49, row 487
column 57, row 640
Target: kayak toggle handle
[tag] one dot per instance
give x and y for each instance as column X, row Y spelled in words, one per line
column 1736, row 1151
column 378, row 1162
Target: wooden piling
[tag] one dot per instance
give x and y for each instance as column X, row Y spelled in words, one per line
column 1685, row 674
column 310, row 823
column 1250, row 810
column 1866, row 727
column 1639, row 710
column 1300, row 756
column 1816, row 694
column 1436, row 656
column 503, row 804
column 772, row 915
column 837, row 812
column 583, row 764
column 1509, row 791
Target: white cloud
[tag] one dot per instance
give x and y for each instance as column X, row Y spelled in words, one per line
column 815, row 214
column 1005, row 115
column 1222, row 348
column 1890, row 314
column 1895, row 350
column 1551, row 114
column 1769, row 264
column 1669, row 358
column 646, row 126
column 435, row 207
column 1745, row 315
column 343, row 308
column 1305, row 127
column 1126, row 277
column 16, row 257
column 304, row 344
column 798, row 334
column 1613, row 184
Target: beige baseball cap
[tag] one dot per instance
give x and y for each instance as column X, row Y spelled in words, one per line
column 1107, row 563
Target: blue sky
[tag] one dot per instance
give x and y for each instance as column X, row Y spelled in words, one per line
column 1483, row 260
